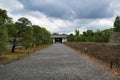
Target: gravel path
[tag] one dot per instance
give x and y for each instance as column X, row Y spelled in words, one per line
column 56, row 62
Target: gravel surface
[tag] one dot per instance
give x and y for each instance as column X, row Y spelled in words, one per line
column 56, row 62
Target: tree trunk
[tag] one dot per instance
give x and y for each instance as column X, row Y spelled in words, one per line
column 26, row 47
column 13, row 48
column 14, row 45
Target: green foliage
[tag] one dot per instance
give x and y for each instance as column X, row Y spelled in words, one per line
column 77, row 34
column 24, row 34
column 11, row 28
column 117, row 24
column 71, row 37
column 21, row 33
column 27, row 37
column 41, row 35
column 36, row 34
column 24, row 21
column 90, row 36
column 55, row 33
column 4, row 19
column 3, row 38
column 45, row 36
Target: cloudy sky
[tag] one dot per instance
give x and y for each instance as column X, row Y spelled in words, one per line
column 64, row 16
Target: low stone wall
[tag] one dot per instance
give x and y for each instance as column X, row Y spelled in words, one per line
column 115, row 37
column 103, row 51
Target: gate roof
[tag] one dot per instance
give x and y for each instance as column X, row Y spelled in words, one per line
column 58, row 36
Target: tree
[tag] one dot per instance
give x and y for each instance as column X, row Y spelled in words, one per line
column 106, row 34
column 77, row 35
column 70, row 37
column 90, row 36
column 20, row 27
column 27, row 37
column 11, row 30
column 45, row 36
column 41, row 35
column 20, row 33
column 117, row 24
column 3, row 38
column 4, row 19
column 55, row 33
column 36, row 34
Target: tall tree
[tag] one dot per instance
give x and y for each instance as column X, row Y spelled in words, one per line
column 3, row 38
column 41, row 35
column 117, row 24
column 27, row 37
column 20, row 27
column 4, row 19
column 77, row 35
column 70, row 37
column 36, row 34
column 45, row 36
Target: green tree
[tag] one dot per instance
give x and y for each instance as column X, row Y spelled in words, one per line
column 41, row 35
column 103, row 35
column 90, row 33
column 77, row 35
column 21, row 27
column 36, row 33
column 70, row 37
column 27, row 37
column 3, row 38
column 45, row 36
column 90, row 36
column 98, row 36
column 11, row 28
column 106, row 34
column 20, row 33
column 4, row 19
column 117, row 24
column 55, row 33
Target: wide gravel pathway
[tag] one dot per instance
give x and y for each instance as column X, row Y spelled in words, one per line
column 57, row 62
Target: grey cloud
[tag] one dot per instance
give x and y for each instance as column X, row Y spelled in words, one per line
column 49, row 9
column 66, row 9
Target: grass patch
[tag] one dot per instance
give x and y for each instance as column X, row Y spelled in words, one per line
column 8, row 56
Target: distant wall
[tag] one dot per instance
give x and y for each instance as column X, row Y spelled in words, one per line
column 115, row 37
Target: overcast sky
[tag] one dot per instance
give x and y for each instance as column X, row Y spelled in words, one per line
column 64, row 16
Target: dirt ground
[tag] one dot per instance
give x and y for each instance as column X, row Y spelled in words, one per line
column 103, row 52
column 8, row 56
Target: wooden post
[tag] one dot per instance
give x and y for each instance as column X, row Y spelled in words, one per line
column 111, row 64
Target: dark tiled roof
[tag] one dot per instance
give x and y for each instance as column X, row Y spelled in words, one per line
column 58, row 36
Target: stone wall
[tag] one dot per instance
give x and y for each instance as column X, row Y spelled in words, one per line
column 115, row 37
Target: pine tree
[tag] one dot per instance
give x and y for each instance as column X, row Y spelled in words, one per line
column 117, row 24
column 4, row 19
column 3, row 38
